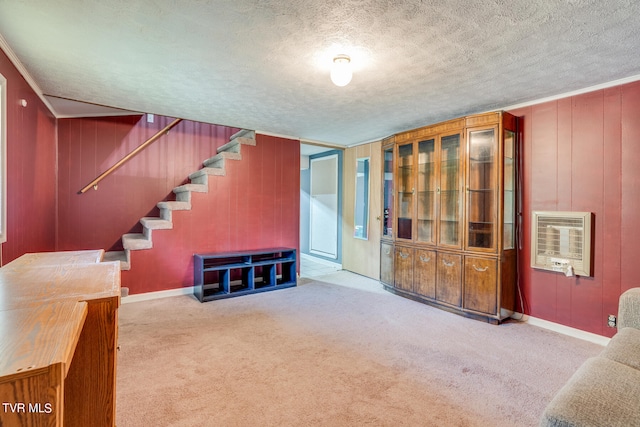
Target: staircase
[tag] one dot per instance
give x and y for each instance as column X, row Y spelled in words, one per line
column 214, row 166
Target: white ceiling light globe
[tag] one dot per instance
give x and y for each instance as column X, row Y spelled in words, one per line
column 341, row 73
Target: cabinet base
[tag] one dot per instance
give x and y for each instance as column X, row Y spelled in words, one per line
column 459, row 311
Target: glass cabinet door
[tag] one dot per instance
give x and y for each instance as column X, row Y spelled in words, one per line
column 387, row 195
column 449, row 189
column 509, row 190
column 405, row 191
column 426, row 191
column 481, row 189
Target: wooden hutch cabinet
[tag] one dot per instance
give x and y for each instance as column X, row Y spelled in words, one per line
column 449, row 214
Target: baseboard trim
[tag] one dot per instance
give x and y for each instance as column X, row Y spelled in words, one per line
column 157, row 295
column 562, row 329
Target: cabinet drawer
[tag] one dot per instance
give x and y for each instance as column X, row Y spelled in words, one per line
column 449, row 274
column 403, row 267
column 425, row 273
column 481, row 284
column 386, row 263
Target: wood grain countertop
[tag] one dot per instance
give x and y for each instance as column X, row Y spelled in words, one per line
column 30, row 285
column 36, row 338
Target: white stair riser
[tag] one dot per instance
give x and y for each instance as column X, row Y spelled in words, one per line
column 184, row 196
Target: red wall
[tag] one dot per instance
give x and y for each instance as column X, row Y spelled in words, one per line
column 582, row 153
column 256, row 205
column 89, row 146
column 31, row 169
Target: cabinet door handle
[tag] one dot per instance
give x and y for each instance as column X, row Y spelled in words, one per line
column 448, row 264
column 480, row 269
column 425, row 259
column 403, row 255
column 387, row 251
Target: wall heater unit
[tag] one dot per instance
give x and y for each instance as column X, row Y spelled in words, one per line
column 561, row 241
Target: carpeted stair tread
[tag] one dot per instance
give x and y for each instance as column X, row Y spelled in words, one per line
column 196, row 188
column 244, row 133
column 153, row 223
column 135, row 241
column 207, row 171
column 219, row 158
column 118, row 256
column 234, row 145
column 175, row 205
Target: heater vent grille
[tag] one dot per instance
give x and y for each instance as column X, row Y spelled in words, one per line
column 561, row 241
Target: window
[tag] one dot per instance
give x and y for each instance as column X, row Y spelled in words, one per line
column 3, row 159
column 361, row 220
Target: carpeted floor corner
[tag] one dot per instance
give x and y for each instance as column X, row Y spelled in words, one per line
column 337, row 351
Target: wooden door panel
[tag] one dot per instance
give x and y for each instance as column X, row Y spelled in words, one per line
column 425, row 273
column 362, row 255
column 449, row 279
column 480, row 284
column 386, row 263
column 403, row 263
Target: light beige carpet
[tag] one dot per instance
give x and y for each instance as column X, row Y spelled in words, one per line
column 337, row 351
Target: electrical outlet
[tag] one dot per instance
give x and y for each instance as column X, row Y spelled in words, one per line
column 611, row 321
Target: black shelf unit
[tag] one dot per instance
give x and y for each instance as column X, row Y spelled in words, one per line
column 231, row 274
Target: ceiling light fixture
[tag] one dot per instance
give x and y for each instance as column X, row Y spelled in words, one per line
column 341, row 70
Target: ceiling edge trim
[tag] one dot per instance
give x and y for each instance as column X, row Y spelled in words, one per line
column 24, row 73
column 582, row 91
column 367, row 142
column 601, row 86
column 303, row 141
column 276, row 135
column 83, row 116
column 322, row 144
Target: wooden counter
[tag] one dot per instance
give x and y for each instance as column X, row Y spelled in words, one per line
column 38, row 281
column 42, row 259
column 37, row 346
column 32, row 285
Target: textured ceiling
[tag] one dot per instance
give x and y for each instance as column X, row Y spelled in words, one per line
column 264, row 64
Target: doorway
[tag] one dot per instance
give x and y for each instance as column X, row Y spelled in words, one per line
column 321, row 205
column 323, row 239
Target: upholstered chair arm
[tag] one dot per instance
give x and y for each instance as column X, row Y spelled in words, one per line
column 629, row 309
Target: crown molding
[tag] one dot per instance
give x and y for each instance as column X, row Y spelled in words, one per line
column 24, row 73
column 594, row 88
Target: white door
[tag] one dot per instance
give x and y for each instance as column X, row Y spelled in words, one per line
column 324, row 206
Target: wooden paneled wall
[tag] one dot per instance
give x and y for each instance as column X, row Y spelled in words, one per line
column 31, row 169
column 89, row 146
column 581, row 154
column 358, row 255
column 255, row 205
